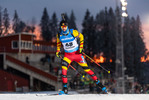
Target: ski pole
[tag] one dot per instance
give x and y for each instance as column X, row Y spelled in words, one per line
column 96, row 63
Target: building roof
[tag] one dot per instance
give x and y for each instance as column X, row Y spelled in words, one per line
column 13, row 34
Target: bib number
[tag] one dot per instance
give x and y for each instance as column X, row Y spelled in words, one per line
column 69, row 44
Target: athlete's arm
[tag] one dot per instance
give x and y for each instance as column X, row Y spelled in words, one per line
column 80, row 36
column 58, row 44
column 81, row 40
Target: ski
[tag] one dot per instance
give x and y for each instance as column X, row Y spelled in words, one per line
column 51, row 94
column 59, row 93
column 46, row 94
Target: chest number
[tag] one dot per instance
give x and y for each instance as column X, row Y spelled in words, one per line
column 69, row 44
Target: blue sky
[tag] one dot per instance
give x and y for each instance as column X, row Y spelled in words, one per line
column 27, row 9
column 35, row 7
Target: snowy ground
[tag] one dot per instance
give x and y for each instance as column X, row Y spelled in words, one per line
column 43, row 96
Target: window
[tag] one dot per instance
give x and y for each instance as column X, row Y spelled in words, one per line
column 26, row 44
column 29, row 46
column 22, row 44
column 15, row 45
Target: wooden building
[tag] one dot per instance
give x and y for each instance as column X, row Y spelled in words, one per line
column 15, row 50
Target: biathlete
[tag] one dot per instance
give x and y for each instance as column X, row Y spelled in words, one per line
column 73, row 52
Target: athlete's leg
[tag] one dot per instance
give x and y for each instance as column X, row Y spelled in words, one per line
column 65, row 64
column 84, row 65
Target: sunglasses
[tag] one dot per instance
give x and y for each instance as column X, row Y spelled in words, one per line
column 64, row 26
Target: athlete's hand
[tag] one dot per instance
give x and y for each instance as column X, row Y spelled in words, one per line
column 58, row 54
column 80, row 50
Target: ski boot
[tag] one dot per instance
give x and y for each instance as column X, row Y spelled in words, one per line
column 102, row 89
column 61, row 93
column 65, row 89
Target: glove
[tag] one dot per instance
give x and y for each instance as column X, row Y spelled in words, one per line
column 58, row 54
column 81, row 50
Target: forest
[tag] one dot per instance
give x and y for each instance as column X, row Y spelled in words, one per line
column 99, row 34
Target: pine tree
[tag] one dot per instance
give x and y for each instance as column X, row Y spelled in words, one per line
column 67, row 18
column 106, row 31
column 85, row 31
column 99, row 40
column 139, row 46
column 22, row 26
column 72, row 23
column 45, row 26
column 128, row 48
column 109, row 36
column 6, row 22
column 16, row 22
column 91, row 35
column 54, row 25
column 112, row 34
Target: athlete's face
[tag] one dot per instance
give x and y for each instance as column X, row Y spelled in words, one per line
column 64, row 28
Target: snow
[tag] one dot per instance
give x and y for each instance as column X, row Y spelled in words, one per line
column 43, row 96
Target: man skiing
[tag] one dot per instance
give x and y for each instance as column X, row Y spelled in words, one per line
column 73, row 52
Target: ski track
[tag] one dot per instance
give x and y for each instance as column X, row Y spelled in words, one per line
column 75, row 97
